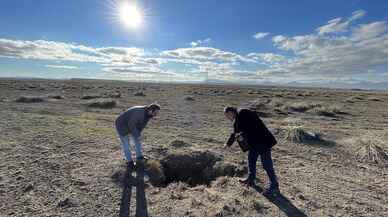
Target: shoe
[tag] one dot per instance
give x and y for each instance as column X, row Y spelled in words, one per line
column 131, row 165
column 248, row 181
column 140, row 161
column 272, row 191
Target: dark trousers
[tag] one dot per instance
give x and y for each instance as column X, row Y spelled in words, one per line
column 266, row 162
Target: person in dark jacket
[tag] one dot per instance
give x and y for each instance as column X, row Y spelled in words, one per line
column 131, row 123
column 259, row 142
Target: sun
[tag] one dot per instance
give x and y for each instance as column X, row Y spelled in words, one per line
column 130, row 15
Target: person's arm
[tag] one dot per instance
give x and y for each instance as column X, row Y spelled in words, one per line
column 231, row 139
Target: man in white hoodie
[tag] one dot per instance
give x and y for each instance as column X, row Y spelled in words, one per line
column 131, row 124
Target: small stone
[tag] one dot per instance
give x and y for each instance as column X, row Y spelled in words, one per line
column 28, row 188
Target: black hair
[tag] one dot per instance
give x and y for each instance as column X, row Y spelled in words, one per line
column 230, row 109
column 153, row 107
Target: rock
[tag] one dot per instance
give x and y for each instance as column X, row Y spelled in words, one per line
column 28, row 188
column 66, row 203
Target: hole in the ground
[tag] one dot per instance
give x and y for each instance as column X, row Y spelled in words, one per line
column 194, row 168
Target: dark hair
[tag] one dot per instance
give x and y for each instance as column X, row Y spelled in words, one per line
column 230, row 109
column 153, row 107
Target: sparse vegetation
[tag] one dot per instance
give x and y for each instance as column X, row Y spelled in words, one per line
column 298, row 134
column 102, row 103
column 371, row 150
column 189, row 98
column 139, row 93
column 93, row 96
column 72, row 151
column 303, row 106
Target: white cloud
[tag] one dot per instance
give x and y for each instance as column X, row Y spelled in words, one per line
column 204, row 54
column 371, row 30
column 357, row 15
column 61, row 67
column 261, row 35
column 267, row 57
column 200, row 42
column 322, row 56
column 340, row 25
column 336, row 51
column 51, row 50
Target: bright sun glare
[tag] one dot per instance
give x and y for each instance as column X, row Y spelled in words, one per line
column 130, row 15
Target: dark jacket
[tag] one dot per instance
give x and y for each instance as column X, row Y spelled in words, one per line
column 253, row 130
column 132, row 121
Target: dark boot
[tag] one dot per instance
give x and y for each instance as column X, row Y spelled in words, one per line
column 131, row 165
column 273, row 190
column 247, row 181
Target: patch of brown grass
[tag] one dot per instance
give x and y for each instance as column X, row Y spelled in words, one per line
column 102, row 103
column 298, row 134
column 303, row 106
column 371, row 150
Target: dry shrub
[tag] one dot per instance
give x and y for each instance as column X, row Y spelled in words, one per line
column 353, row 99
column 102, row 103
column 139, row 93
column 300, row 135
column 374, row 99
column 259, row 104
column 113, row 95
column 276, row 103
column 93, row 96
column 303, row 106
column 55, row 96
column 189, row 98
column 325, row 111
column 371, row 150
column 30, row 99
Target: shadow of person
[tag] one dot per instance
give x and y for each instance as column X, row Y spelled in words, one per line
column 141, row 201
column 282, row 203
column 128, row 182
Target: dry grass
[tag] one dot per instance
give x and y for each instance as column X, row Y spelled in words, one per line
column 298, row 134
column 329, row 111
column 303, row 106
column 371, row 150
column 87, row 97
column 102, row 103
column 189, row 98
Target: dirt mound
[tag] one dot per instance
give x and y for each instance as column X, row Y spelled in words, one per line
column 194, row 168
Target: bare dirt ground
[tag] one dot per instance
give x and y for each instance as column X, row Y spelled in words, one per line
column 61, row 157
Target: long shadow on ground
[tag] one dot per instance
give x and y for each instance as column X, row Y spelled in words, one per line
column 283, row 203
column 138, row 182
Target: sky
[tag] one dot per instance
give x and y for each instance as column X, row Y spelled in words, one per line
column 249, row 42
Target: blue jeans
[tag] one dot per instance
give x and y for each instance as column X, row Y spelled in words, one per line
column 266, row 162
column 127, row 151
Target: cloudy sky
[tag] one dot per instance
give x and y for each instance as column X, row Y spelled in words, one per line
column 250, row 41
